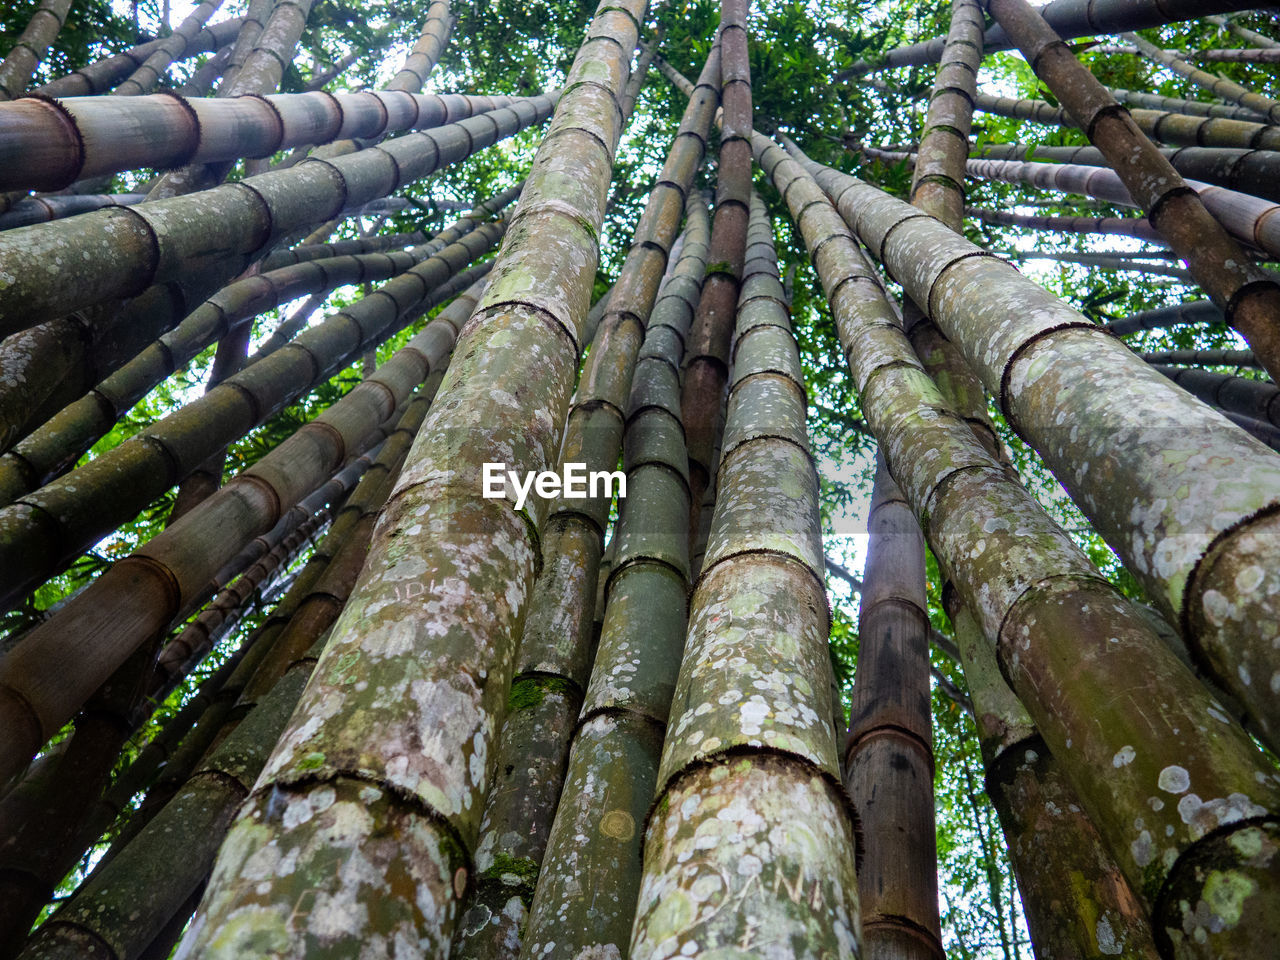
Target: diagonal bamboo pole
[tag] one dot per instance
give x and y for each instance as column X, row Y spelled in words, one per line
column 144, row 79
column 1220, row 87
column 21, row 61
column 1244, row 33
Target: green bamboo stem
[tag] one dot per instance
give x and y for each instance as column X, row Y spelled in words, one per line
column 1169, row 534
column 145, row 583
column 51, row 144
column 1120, row 712
column 1165, row 126
column 586, row 894
column 323, row 251
column 707, row 354
column 144, row 79
column 1068, row 18
column 102, row 75
column 428, row 636
column 1112, row 226
column 21, row 61
column 257, row 14
column 121, row 909
column 750, row 757
column 1052, row 842
column 1256, row 172
column 1195, row 312
column 554, row 660
column 1192, row 108
column 1220, row 87
column 161, row 240
column 1244, row 33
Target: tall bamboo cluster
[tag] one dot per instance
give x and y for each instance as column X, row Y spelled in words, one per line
column 348, row 702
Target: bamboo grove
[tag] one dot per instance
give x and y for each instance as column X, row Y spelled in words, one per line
column 977, row 295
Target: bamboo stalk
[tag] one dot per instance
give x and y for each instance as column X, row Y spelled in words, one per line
column 1257, row 399
column 51, row 144
column 1118, row 697
column 750, row 755
column 1196, row 312
column 1269, row 55
column 1256, row 172
column 426, row 51
column 1170, row 537
column 430, row 630
column 21, row 61
column 1191, row 108
column 160, row 240
column 707, row 354
column 554, row 659
column 42, row 209
column 148, row 74
column 1115, row 226
column 586, row 895
column 1244, row 33
column 1203, row 358
column 102, row 75
column 1220, row 87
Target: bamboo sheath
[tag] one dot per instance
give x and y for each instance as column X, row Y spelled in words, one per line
column 1192, row 108
column 1071, row 18
column 1222, row 88
column 102, row 75
column 1030, row 586
column 21, row 61
column 707, row 352
column 144, row 79
column 50, row 144
column 1051, row 840
column 154, row 583
column 586, row 894
column 1270, row 55
column 750, row 759
column 123, row 907
column 554, row 659
column 1134, row 227
column 229, row 225
column 54, row 447
column 1251, row 37
column 426, row 635
column 1167, row 127
column 1191, row 497
column 1255, row 172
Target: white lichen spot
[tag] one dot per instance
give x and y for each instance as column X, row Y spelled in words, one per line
column 1174, row 779
column 1107, row 942
column 1124, row 756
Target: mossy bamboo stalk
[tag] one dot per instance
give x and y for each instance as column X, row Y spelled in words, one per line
column 153, row 583
column 1114, row 226
column 1179, row 540
column 1222, row 88
column 1071, row 19
column 232, row 224
column 1052, row 843
column 50, row 144
column 1194, row 312
column 1203, row 358
column 144, row 79
column 21, row 61
column 1244, row 33
column 585, row 897
column 125, row 905
column 554, row 658
column 1165, row 126
column 750, row 757
column 1192, row 108
column 1029, row 585
column 707, row 354
column 433, row 638
column 1256, row 172
column 1271, row 55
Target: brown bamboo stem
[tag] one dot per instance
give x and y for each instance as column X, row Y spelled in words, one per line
column 21, row 61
